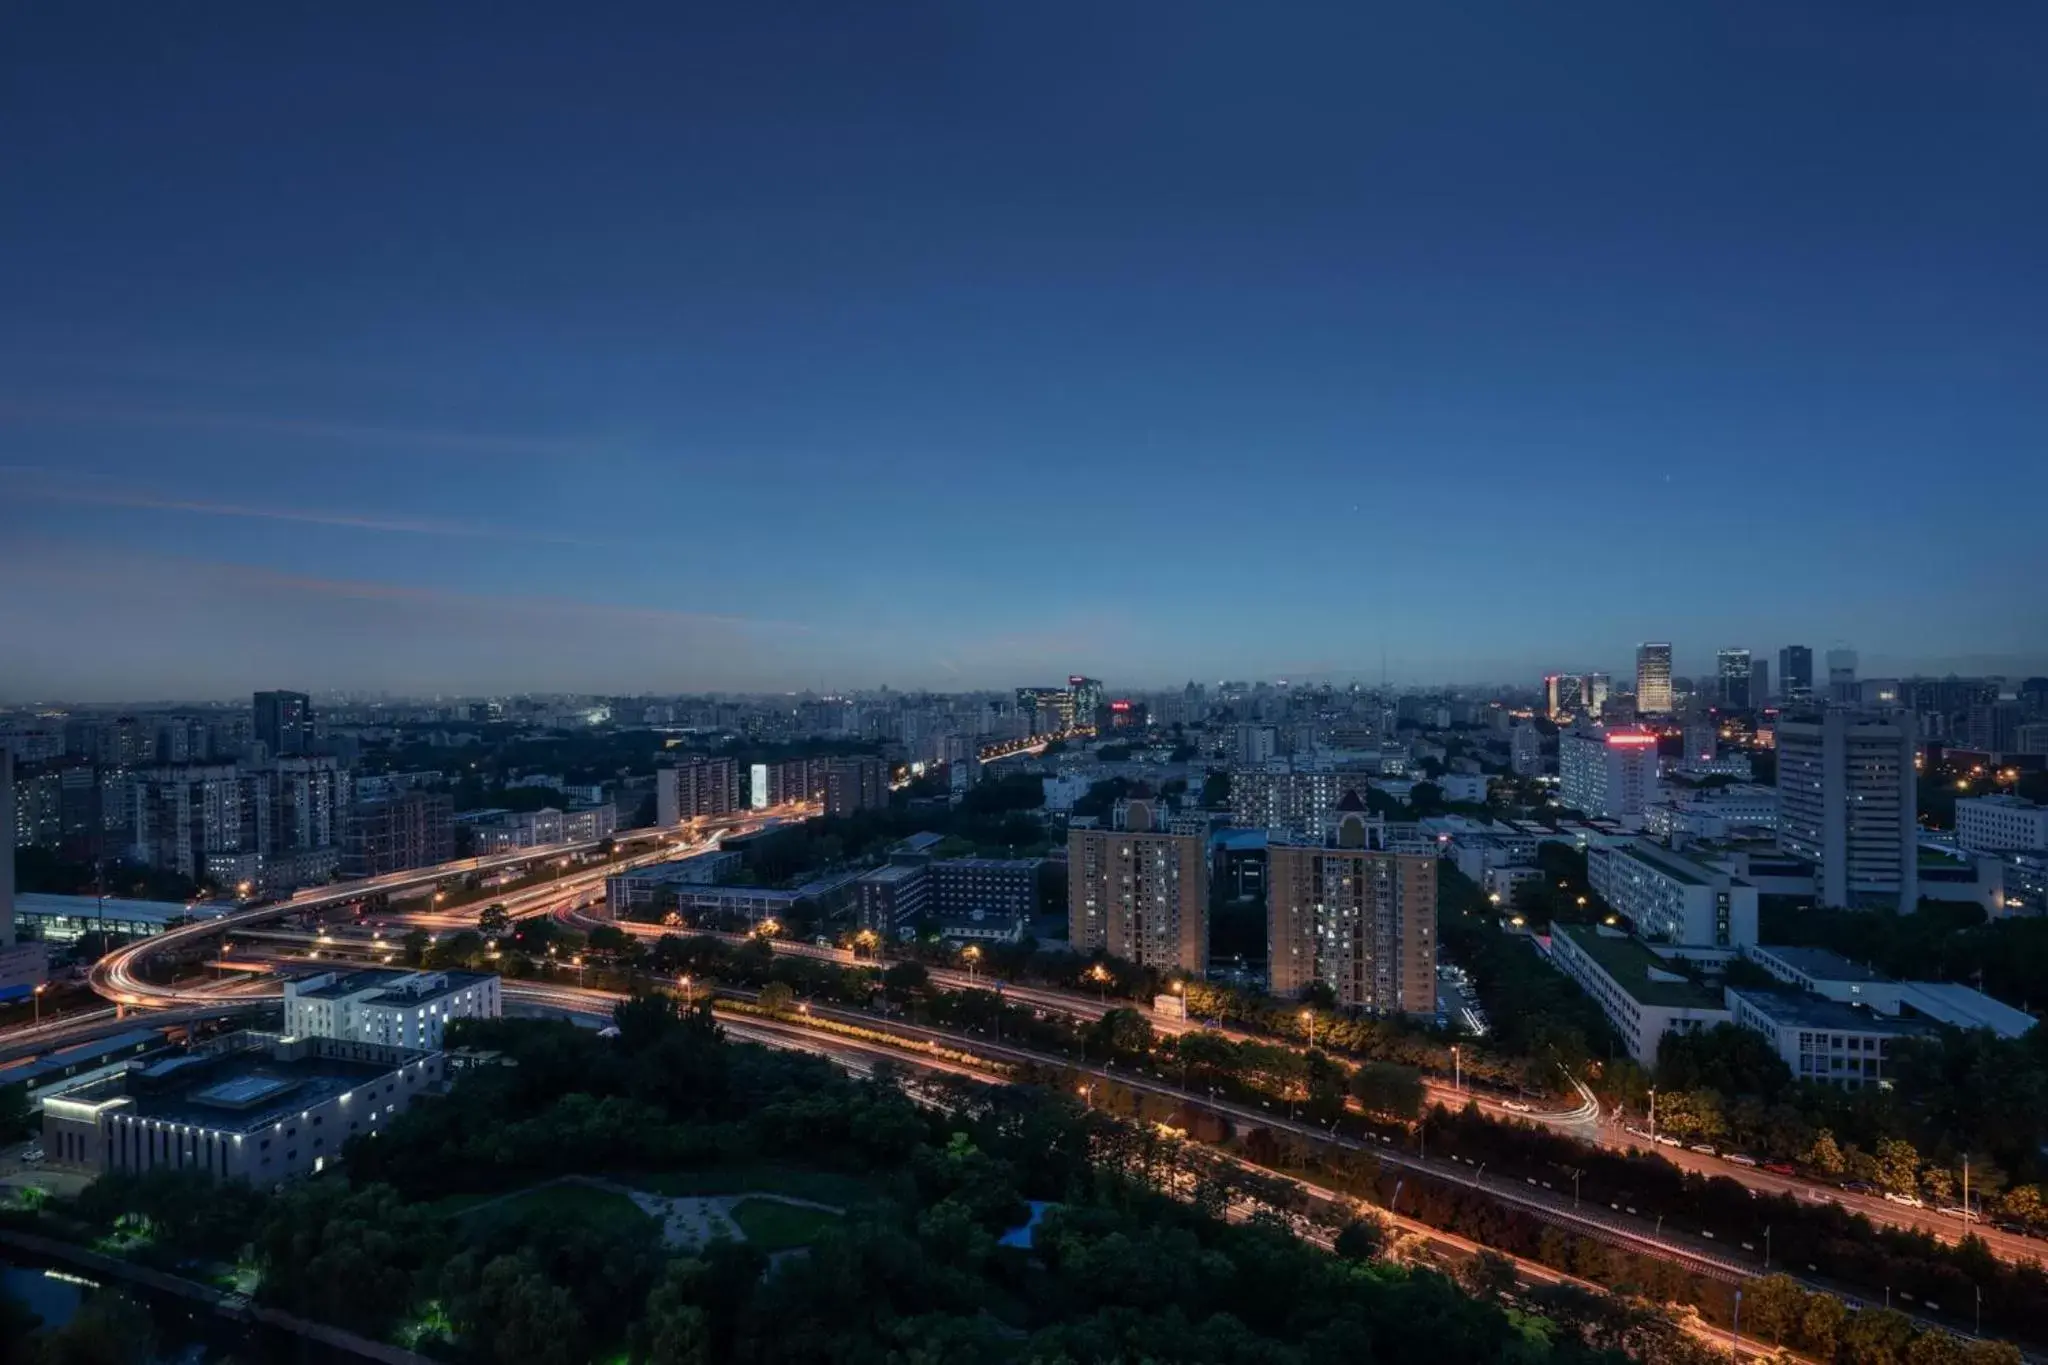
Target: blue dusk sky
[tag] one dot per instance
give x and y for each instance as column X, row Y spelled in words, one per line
column 954, row 344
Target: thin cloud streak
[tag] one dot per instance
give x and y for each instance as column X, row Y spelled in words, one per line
column 107, row 496
column 462, row 442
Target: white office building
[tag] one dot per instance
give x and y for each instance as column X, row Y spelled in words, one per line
column 1608, row 774
column 2001, row 824
column 1820, row 1040
column 1672, row 899
column 1653, row 679
column 390, row 1009
column 1847, row 805
column 1641, row 995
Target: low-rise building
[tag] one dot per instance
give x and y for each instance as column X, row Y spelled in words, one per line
column 396, row 1009
column 640, row 889
column 1820, row 1039
column 1670, row 898
column 1640, row 993
column 2001, row 824
column 1833, row 977
column 891, row 899
column 254, row 1107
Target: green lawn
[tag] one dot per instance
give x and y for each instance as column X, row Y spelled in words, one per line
column 574, row 1205
column 778, row 1227
column 826, row 1187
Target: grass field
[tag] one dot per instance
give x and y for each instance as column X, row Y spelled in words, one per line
column 571, row 1204
column 826, row 1187
column 778, row 1227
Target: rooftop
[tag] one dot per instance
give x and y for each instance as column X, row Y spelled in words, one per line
column 991, row 864
column 237, row 1092
column 1822, row 964
column 1796, row 1009
column 1668, row 863
column 894, row 872
column 1957, row 1004
column 56, row 1063
column 1632, row 967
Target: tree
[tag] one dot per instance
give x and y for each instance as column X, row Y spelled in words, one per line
column 1121, row 1033
column 677, row 1332
column 494, row 920
column 1825, row 1155
column 777, row 998
column 1820, row 1325
column 1936, row 1347
column 1489, row 1275
column 525, row 1317
column 1216, row 791
column 416, row 942
column 108, row 1329
column 1772, row 1306
column 1385, row 1088
column 1876, row 1336
column 905, row 979
column 1898, row 1166
column 1362, row 1239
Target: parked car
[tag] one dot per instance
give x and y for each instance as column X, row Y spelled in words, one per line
column 1669, row 1142
column 1739, row 1159
column 32, row 1154
column 1779, row 1168
column 1859, row 1187
column 1703, row 1149
column 1911, row 1201
column 1953, row 1211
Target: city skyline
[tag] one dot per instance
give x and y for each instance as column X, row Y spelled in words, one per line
column 721, row 353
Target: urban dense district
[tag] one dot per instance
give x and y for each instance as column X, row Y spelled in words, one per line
column 1658, row 1018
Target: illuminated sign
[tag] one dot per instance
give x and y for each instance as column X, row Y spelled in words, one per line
column 1119, row 706
column 1631, row 741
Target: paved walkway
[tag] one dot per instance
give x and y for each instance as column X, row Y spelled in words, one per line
column 687, row 1221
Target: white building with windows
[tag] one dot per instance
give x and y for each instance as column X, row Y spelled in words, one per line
column 1610, row 774
column 391, row 1009
column 1643, row 996
column 2001, row 824
column 1820, row 1040
column 1672, row 899
column 1847, row 804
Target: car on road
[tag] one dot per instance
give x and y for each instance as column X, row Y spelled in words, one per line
column 1779, row 1168
column 1860, row 1187
column 1911, row 1201
column 1739, row 1159
column 1952, row 1211
column 1669, row 1142
column 1703, row 1149
column 32, row 1154
column 1516, row 1105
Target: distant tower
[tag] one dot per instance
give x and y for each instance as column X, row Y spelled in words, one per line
column 284, row 722
column 1795, row 674
column 1653, row 679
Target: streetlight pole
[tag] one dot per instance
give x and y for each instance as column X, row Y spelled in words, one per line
column 1736, row 1352
column 1457, row 1072
column 1653, row 1113
column 39, row 1002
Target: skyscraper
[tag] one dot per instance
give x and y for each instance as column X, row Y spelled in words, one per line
column 1139, row 892
column 1795, row 674
column 1847, row 805
column 1653, row 679
column 1342, row 910
column 1593, row 690
column 1733, row 666
column 1842, row 677
column 1086, row 698
column 1611, row 774
column 284, row 722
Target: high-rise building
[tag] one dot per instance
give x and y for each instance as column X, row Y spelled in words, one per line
column 1610, row 774
column 1842, row 677
column 1257, row 743
column 1563, row 696
column 1525, row 750
column 1733, row 666
column 1281, row 796
column 22, row 965
column 2033, row 698
column 1084, row 698
column 1847, row 805
column 1048, row 709
column 1993, row 727
column 1653, row 679
column 859, row 782
column 1593, row 690
column 1795, row 674
column 1760, row 683
column 185, row 816
column 1344, row 911
column 1138, row 891
column 703, row 786
column 398, row 833
column 284, row 722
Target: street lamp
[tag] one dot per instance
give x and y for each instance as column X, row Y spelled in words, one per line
column 1457, row 1073
column 689, row 992
column 39, row 1001
column 1309, row 1017
column 971, row 954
